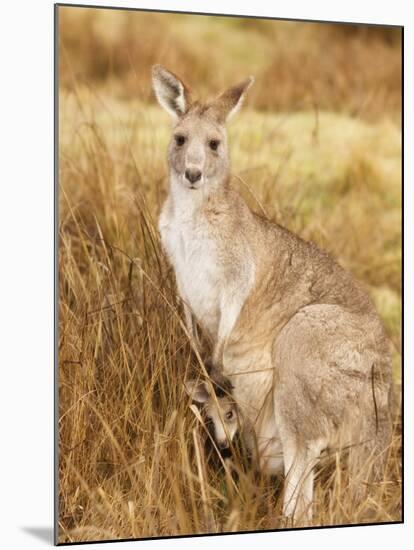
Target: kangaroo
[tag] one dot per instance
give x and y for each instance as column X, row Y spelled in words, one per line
column 219, row 408
column 297, row 335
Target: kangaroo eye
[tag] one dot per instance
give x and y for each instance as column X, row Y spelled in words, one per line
column 179, row 140
column 214, row 143
column 229, row 415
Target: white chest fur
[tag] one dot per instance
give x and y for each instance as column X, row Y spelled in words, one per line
column 213, row 291
column 193, row 254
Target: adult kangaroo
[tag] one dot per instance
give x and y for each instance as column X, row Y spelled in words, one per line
column 296, row 334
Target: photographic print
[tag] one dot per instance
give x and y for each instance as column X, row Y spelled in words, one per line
column 229, row 280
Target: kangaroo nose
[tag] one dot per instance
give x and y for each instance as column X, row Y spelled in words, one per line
column 193, row 174
column 222, row 445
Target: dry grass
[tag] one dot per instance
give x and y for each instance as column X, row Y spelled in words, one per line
column 349, row 68
column 131, row 450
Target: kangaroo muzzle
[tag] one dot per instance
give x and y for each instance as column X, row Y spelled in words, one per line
column 222, row 445
column 192, row 175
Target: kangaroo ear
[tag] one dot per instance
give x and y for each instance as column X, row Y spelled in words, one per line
column 172, row 94
column 229, row 102
column 197, row 390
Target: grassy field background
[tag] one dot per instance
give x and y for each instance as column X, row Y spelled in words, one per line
column 317, row 147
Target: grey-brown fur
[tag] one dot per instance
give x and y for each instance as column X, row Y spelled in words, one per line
column 296, row 334
column 215, row 397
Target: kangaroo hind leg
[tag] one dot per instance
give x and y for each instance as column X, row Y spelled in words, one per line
column 300, row 460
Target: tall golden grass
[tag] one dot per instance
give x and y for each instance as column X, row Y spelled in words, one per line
column 132, row 459
column 343, row 67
